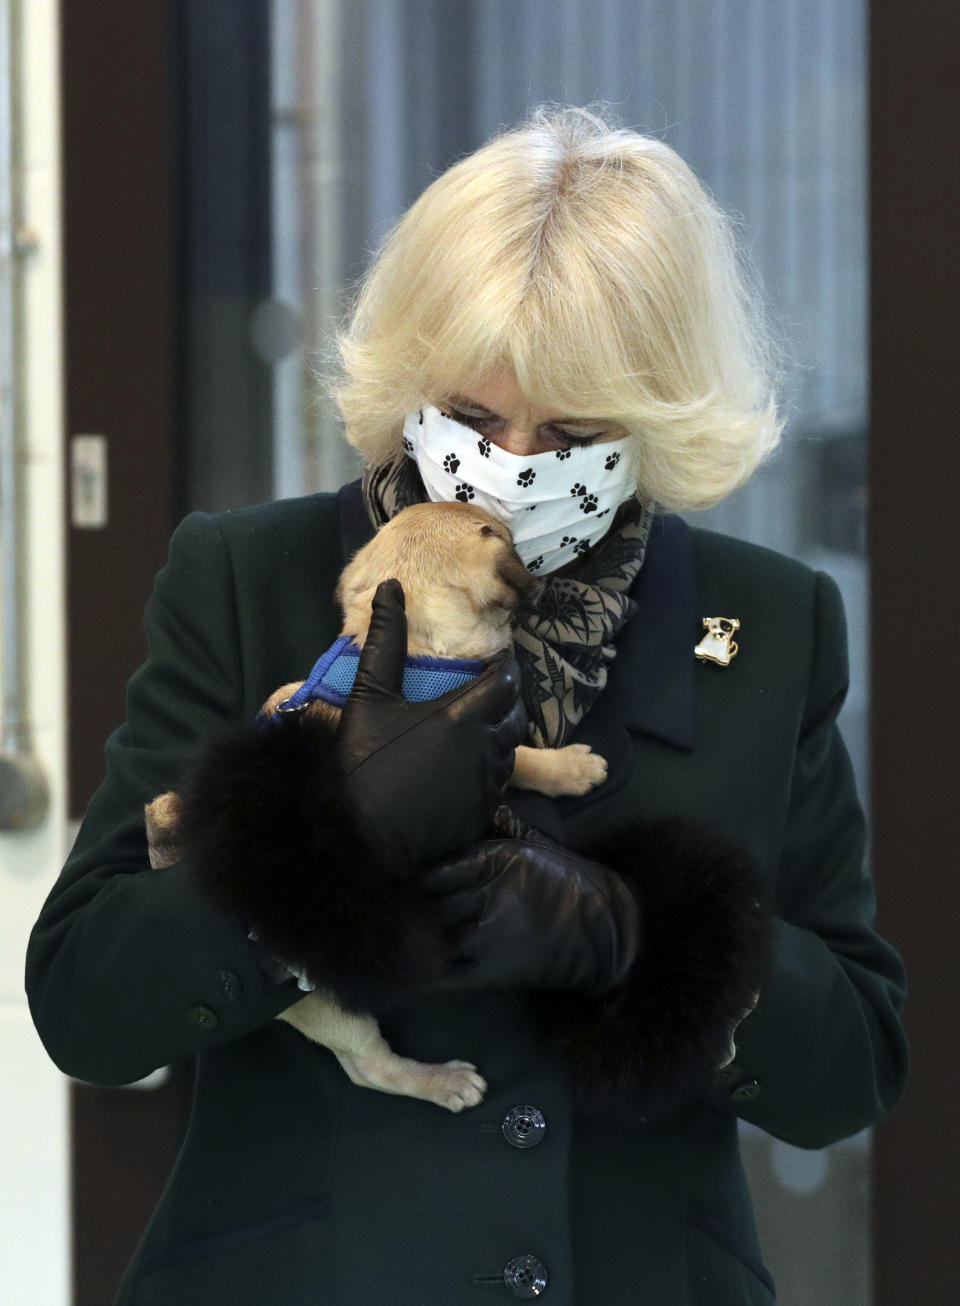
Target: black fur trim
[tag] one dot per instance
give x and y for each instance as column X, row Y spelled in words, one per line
column 265, row 825
column 657, row 1040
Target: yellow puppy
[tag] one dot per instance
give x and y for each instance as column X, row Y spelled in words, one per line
column 462, row 581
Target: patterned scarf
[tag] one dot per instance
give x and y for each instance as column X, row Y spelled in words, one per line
column 564, row 633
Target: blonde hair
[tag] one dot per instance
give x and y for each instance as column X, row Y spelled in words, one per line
column 591, row 262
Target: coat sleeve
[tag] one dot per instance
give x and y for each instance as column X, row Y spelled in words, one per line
column 130, row 968
column 824, row 1053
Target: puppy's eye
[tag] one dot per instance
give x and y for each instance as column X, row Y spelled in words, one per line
column 487, row 530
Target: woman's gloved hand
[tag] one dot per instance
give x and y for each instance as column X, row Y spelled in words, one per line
column 424, row 778
column 527, row 914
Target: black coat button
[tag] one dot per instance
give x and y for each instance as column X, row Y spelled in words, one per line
column 748, row 1091
column 203, row 1017
column 228, row 985
column 524, row 1126
column 525, row 1276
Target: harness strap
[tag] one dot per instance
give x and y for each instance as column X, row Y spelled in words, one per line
column 424, row 678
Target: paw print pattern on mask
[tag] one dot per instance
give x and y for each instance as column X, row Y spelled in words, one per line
column 484, row 447
column 577, row 488
column 588, row 503
column 451, row 463
column 526, row 477
column 535, row 564
column 582, row 548
column 407, row 445
column 568, row 539
column 612, row 462
column 464, row 493
column 563, row 454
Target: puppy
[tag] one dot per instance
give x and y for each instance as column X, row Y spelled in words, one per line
column 462, row 582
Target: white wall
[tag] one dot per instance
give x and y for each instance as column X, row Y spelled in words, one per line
column 34, row 1139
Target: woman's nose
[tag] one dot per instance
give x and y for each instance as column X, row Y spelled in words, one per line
column 519, row 440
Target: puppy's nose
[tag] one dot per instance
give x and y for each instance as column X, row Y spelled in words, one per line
column 515, row 574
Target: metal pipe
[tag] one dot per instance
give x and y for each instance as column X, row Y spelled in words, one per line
column 9, row 535
column 23, row 788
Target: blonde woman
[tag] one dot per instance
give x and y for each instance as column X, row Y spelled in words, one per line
column 557, row 330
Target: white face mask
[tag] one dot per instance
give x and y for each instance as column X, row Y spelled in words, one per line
column 556, row 504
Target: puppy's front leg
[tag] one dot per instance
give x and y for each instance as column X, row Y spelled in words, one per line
column 559, row 772
column 370, row 1062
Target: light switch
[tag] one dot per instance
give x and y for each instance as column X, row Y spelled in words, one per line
column 88, row 474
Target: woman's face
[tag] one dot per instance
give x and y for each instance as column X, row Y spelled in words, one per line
column 499, row 410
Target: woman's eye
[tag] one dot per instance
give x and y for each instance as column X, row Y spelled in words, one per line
column 567, row 439
column 551, row 437
column 474, row 420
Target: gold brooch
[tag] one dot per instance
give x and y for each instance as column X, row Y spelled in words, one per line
column 717, row 645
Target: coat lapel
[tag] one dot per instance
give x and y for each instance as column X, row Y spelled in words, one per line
column 651, row 679
column 650, row 687
column 356, row 528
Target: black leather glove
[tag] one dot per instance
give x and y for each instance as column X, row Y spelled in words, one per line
column 424, row 778
column 528, row 914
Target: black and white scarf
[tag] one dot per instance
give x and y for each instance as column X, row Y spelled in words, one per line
column 564, row 634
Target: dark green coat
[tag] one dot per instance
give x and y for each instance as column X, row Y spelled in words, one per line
column 296, row 1187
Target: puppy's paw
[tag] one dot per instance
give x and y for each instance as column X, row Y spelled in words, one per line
column 455, row 1085
column 559, row 772
column 582, row 769
column 571, row 771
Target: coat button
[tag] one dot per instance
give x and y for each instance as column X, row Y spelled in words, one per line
column 227, row 985
column 524, row 1126
column 525, row 1276
column 203, row 1017
column 748, row 1091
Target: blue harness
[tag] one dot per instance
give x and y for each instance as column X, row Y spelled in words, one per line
column 423, row 677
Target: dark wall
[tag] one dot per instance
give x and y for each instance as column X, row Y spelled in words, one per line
column 122, row 350
column 120, row 346
column 914, row 488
